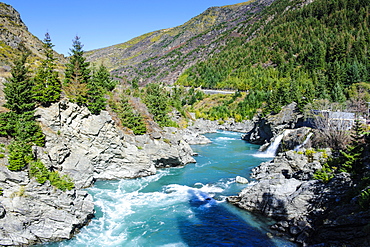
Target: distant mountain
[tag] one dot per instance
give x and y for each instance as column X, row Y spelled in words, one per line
column 14, row 32
column 161, row 56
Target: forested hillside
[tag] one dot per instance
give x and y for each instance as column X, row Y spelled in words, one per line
column 297, row 51
column 161, row 56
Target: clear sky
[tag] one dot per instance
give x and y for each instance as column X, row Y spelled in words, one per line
column 102, row 23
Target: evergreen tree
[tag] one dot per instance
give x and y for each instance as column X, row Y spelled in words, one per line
column 47, row 86
column 18, row 88
column 157, row 103
column 95, row 96
column 103, row 78
column 130, row 118
column 19, row 122
column 77, row 74
column 99, row 84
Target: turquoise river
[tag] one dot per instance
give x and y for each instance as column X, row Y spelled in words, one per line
column 183, row 206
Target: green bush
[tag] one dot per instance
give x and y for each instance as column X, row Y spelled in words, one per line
column 61, row 182
column 364, row 199
column 129, row 118
column 39, row 171
column 42, row 174
column 20, row 155
column 324, row 174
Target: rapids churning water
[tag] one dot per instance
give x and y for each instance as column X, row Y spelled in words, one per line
column 180, row 206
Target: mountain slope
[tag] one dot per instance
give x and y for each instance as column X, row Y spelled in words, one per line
column 161, row 56
column 14, row 32
column 304, row 50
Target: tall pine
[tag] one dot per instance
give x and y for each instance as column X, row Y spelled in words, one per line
column 18, row 88
column 99, row 84
column 47, row 86
column 77, row 74
column 19, row 122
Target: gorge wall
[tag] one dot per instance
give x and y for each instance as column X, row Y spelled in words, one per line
column 85, row 147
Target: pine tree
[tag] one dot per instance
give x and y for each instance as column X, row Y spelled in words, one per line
column 103, row 78
column 95, row 96
column 77, row 74
column 47, row 86
column 99, row 84
column 18, row 88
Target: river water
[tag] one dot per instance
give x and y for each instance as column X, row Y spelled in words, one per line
column 180, row 206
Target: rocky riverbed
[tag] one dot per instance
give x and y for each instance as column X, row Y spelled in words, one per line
column 90, row 147
column 306, row 210
column 87, row 148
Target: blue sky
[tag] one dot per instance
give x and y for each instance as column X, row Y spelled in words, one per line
column 104, row 23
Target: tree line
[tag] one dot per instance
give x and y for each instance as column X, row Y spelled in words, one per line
column 24, row 91
column 318, row 51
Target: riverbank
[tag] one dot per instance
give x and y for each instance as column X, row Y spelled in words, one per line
column 87, row 148
column 180, row 206
column 308, row 211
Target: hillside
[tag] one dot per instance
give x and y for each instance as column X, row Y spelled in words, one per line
column 14, row 32
column 161, row 56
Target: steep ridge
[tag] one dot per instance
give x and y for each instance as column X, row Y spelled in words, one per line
column 161, row 56
column 14, row 32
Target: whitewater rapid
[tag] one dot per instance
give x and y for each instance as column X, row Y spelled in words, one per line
column 180, row 206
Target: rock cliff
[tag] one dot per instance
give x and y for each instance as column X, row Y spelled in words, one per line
column 265, row 128
column 89, row 147
column 85, row 147
column 33, row 213
column 308, row 211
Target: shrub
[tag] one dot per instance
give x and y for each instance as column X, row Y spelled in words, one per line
column 324, row 174
column 364, row 199
column 61, row 182
column 39, row 171
column 42, row 174
column 19, row 155
column 309, row 153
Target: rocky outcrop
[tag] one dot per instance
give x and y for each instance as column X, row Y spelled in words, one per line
column 272, row 125
column 295, row 139
column 78, row 141
column 85, row 147
column 202, row 126
column 33, row 213
column 193, row 134
column 307, row 211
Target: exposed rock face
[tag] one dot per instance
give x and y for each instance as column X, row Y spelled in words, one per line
column 193, row 134
column 202, row 126
column 32, row 213
column 79, row 141
column 296, row 138
column 266, row 128
column 86, row 147
column 306, row 209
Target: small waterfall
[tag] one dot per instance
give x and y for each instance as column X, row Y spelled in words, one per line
column 304, row 143
column 271, row 150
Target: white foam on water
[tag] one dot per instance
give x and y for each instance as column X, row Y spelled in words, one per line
column 271, row 150
column 203, row 164
column 226, row 139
